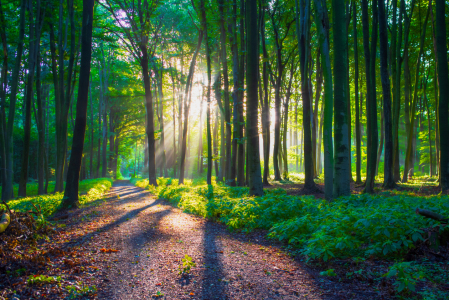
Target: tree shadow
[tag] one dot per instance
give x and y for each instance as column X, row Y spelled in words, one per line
column 212, row 287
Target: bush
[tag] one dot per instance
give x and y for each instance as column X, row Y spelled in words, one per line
column 91, row 190
column 358, row 225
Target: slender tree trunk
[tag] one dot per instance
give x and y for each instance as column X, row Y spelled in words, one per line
column 252, row 69
column 187, row 108
column 409, row 152
column 322, row 22
column 159, row 79
column 91, row 158
column 71, row 192
column 7, row 188
column 265, row 106
column 303, row 39
column 226, row 151
column 40, row 128
column 381, row 144
column 358, row 137
column 341, row 147
column 444, row 93
column 386, row 93
column 429, row 125
column 34, row 42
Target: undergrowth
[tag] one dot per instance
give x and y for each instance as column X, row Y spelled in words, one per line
column 90, row 190
column 382, row 225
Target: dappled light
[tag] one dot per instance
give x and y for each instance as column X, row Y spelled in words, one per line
column 224, row 149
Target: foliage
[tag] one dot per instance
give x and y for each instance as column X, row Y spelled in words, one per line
column 406, row 276
column 187, row 264
column 382, row 225
column 90, row 190
column 42, row 279
column 80, row 290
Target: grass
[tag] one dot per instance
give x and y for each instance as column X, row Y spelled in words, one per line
column 90, row 190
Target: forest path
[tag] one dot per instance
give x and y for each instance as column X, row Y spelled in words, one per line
column 152, row 238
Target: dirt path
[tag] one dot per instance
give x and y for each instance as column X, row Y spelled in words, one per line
column 152, row 237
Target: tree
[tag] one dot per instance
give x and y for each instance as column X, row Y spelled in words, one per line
column 303, row 31
column 341, row 138
column 73, row 173
column 386, row 95
column 252, row 68
column 139, row 44
column 444, row 93
column 322, row 23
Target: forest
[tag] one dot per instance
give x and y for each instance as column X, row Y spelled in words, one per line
column 170, row 143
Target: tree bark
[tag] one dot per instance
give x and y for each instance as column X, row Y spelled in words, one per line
column 71, row 191
column 409, row 152
column 322, row 23
column 303, row 39
column 444, row 94
column 386, row 93
column 252, row 69
column 341, row 139
column 7, row 188
column 358, row 138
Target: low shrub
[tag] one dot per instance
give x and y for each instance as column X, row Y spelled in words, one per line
column 90, row 190
column 358, row 225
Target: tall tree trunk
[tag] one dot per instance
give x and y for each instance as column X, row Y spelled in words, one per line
column 381, row 144
column 34, row 41
column 7, row 187
column 227, row 114
column 358, row 138
column 429, row 125
column 241, row 145
column 322, row 23
column 91, row 156
column 371, row 103
column 40, row 128
column 409, row 152
column 341, row 147
column 265, row 103
column 187, row 108
column 303, row 40
column 252, row 69
column 444, row 93
column 386, row 93
column 64, row 99
column 71, row 191
column 159, row 80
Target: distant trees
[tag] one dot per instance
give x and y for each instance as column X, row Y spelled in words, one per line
column 152, row 61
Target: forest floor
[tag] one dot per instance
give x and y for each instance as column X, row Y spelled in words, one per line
column 131, row 245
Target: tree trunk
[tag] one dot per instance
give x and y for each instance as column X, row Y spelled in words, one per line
column 381, row 144
column 7, row 187
column 226, row 151
column 252, row 69
column 322, row 22
column 444, row 94
column 71, row 191
column 303, row 40
column 187, row 108
column 265, row 106
column 371, row 103
column 358, row 138
column 40, row 128
column 386, row 93
column 409, row 152
column 34, row 42
column 341, row 147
